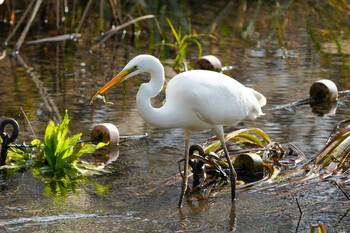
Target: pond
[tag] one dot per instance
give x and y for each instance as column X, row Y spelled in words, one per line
column 270, row 47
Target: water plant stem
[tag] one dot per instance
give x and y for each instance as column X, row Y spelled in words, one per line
column 83, row 17
column 19, row 22
column 30, row 125
column 26, row 29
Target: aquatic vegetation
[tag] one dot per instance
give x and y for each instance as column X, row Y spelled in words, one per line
column 253, row 147
column 181, row 43
column 210, row 169
column 334, row 158
column 57, row 157
column 59, row 154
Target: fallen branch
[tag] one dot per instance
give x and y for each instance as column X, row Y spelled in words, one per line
column 55, row 38
column 112, row 31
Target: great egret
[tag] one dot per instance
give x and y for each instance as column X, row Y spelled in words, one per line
column 196, row 100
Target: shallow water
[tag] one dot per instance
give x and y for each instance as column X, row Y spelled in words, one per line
column 141, row 192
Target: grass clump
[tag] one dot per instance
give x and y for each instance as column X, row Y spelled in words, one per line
column 181, row 44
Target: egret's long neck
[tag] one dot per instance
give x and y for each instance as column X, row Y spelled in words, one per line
column 148, row 90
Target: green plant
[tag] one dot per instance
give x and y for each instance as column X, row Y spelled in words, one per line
column 181, row 44
column 59, row 154
column 57, row 157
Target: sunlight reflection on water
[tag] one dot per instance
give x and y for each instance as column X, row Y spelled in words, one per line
column 143, row 188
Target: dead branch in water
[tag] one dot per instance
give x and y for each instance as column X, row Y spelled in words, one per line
column 112, row 31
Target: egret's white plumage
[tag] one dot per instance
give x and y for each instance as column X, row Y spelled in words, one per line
column 196, row 100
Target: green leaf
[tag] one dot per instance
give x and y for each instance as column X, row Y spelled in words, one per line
column 246, row 135
column 175, row 34
column 35, row 143
column 199, row 46
column 49, row 144
column 82, row 149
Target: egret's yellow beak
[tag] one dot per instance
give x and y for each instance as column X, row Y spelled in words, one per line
column 115, row 81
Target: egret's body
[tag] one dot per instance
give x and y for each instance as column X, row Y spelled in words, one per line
column 196, row 100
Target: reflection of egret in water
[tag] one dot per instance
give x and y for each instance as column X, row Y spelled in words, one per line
column 233, row 218
column 3, row 181
column 190, row 217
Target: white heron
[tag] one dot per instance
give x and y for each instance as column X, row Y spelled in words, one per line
column 196, row 100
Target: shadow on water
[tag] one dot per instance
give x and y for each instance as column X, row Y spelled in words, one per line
column 279, row 49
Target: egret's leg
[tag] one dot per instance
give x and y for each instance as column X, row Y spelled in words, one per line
column 233, row 175
column 187, row 158
column 219, row 132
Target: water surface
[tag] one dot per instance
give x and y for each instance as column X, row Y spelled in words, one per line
column 143, row 187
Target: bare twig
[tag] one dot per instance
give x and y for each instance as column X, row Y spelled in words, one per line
column 57, row 15
column 55, row 38
column 112, row 31
column 345, row 93
column 30, row 125
column 83, row 17
column 300, row 216
column 28, row 9
column 102, row 4
column 342, row 190
column 341, row 218
column 291, row 105
column 116, row 13
column 26, row 29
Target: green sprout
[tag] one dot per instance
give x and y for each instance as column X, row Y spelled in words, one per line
column 181, row 44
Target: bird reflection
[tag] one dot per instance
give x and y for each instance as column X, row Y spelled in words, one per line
column 199, row 205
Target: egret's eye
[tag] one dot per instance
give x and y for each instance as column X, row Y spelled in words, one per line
column 134, row 67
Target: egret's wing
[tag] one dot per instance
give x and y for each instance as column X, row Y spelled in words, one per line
column 214, row 98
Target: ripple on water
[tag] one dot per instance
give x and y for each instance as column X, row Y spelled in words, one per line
column 70, row 222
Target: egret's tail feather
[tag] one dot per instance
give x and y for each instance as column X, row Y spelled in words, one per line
column 260, row 97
